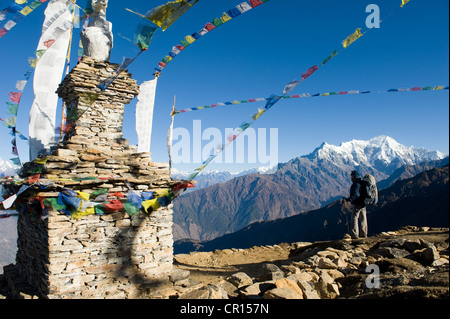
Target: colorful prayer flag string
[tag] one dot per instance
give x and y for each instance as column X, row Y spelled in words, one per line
column 189, row 39
column 15, row 13
column 78, row 204
column 305, row 95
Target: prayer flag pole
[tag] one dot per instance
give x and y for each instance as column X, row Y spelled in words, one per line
column 63, row 117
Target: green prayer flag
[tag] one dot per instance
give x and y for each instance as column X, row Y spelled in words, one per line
column 184, row 43
column 12, row 108
column 332, row 55
column 144, row 34
column 217, row 22
column 53, row 204
column 100, row 209
column 131, row 209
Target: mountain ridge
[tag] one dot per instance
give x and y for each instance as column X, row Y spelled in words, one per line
column 302, row 184
column 422, row 201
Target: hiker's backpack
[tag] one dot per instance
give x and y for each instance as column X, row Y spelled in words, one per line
column 370, row 190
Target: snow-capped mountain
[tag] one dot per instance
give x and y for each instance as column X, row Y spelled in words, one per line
column 381, row 153
column 8, row 169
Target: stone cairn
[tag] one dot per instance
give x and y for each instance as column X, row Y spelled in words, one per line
column 98, row 256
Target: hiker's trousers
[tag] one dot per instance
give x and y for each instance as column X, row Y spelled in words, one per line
column 359, row 214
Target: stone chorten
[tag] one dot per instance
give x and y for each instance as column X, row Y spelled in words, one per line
column 114, row 255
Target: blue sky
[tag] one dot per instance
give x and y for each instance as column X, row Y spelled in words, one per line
column 256, row 54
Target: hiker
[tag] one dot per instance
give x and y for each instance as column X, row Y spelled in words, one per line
column 359, row 212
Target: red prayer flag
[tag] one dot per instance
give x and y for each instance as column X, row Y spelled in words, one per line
column 15, row 96
column 113, row 205
column 182, row 185
column 209, row 26
column 310, row 71
column 33, row 179
column 232, row 137
column 3, row 31
column 255, row 3
column 49, row 43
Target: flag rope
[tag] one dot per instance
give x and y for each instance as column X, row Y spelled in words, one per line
column 306, row 95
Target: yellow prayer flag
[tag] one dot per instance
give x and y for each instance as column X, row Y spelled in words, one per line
column 33, row 62
column 352, row 38
column 42, row 160
column 225, row 17
column 189, row 39
column 162, row 192
column 84, row 196
column 257, row 115
column 153, row 203
column 21, row 1
column 25, row 11
column 81, row 214
column 440, row 87
column 164, row 15
column 403, row 3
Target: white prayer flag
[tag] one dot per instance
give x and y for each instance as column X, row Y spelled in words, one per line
column 144, row 114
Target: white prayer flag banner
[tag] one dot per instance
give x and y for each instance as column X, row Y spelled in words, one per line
column 48, row 74
column 144, row 114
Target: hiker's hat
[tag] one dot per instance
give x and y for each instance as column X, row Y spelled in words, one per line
column 355, row 174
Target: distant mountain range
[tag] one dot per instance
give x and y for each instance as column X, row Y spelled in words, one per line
column 419, row 201
column 8, row 169
column 300, row 185
column 209, row 178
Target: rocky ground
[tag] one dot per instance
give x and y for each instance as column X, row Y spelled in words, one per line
column 409, row 263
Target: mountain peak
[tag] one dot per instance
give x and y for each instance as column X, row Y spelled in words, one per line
column 384, row 140
column 8, row 169
column 382, row 153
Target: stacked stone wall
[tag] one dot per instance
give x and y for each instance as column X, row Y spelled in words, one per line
column 110, row 255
